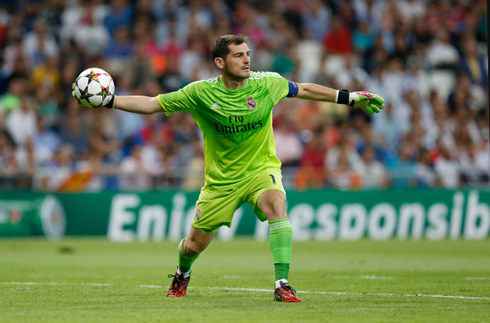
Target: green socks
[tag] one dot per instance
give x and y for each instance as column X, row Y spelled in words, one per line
column 185, row 262
column 281, row 240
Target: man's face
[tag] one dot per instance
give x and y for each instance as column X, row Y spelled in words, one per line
column 237, row 63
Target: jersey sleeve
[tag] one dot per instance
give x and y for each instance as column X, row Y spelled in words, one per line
column 181, row 100
column 278, row 87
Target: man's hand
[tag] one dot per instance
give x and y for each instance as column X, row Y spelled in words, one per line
column 74, row 94
column 370, row 102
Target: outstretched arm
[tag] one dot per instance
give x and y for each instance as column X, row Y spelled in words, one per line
column 316, row 92
column 130, row 103
column 137, row 104
column 371, row 102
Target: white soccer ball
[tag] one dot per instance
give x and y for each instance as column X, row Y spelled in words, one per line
column 94, row 87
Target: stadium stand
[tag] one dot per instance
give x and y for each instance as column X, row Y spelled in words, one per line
column 428, row 59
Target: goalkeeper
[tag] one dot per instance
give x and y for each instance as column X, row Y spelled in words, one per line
column 234, row 112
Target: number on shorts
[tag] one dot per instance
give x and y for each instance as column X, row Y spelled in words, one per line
column 273, row 179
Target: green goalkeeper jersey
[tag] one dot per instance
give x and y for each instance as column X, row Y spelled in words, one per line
column 236, row 124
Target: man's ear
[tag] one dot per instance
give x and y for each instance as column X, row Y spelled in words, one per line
column 220, row 63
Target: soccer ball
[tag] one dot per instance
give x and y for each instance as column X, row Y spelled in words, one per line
column 94, row 87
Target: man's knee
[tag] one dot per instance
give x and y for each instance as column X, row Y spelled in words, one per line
column 278, row 204
column 273, row 205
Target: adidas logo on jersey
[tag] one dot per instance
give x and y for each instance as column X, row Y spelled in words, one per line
column 215, row 106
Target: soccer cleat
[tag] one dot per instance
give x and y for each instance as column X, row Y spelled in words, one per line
column 178, row 286
column 286, row 294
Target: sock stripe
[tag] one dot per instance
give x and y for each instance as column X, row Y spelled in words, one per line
column 280, row 227
column 280, row 224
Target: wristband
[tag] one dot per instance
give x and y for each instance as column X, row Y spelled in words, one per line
column 293, row 89
column 110, row 105
column 343, row 96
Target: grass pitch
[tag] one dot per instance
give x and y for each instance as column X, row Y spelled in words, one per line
column 93, row 280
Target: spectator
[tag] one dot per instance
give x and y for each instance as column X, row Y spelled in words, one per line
column 120, row 15
column 283, row 62
column 103, row 144
column 172, row 80
column 411, row 9
column 351, row 74
column 447, row 169
column 473, row 165
column 46, row 142
column 11, row 54
column 402, row 166
column 347, row 150
column 134, row 174
column 39, row 44
column 12, row 99
column 316, row 19
column 474, row 63
column 191, row 58
column 343, row 176
column 441, row 54
column 90, row 34
column 312, row 172
column 143, row 12
column 424, row 170
column 373, row 172
column 27, row 157
column 339, row 39
column 47, row 74
column 370, row 139
column 288, row 144
column 292, row 15
column 389, row 127
column 364, row 38
column 21, row 123
column 73, row 133
column 58, row 170
column 120, row 46
column 48, row 108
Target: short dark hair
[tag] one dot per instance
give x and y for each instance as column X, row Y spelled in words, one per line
column 220, row 47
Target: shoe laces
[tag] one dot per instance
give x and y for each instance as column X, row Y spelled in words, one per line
column 288, row 288
column 178, row 280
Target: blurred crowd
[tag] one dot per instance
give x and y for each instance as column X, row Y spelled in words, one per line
column 427, row 59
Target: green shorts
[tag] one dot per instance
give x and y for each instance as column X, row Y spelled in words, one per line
column 216, row 207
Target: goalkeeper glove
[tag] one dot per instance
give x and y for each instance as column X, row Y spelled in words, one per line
column 370, row 102
column 109, row 105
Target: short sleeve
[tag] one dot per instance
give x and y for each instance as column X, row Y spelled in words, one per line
column 181, row 100
column 278, row 87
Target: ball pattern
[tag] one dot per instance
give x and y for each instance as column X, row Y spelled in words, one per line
column 94, row 87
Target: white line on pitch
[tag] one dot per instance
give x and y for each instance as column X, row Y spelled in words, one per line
column 370, row 277
column 55, row 284
column 346, row 293
column 375, row 277
column 261, row 290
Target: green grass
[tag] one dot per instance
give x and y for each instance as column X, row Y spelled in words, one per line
column 376, row 282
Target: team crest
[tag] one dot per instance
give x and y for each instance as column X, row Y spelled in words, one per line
column 251, row 104
column 198, row 214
